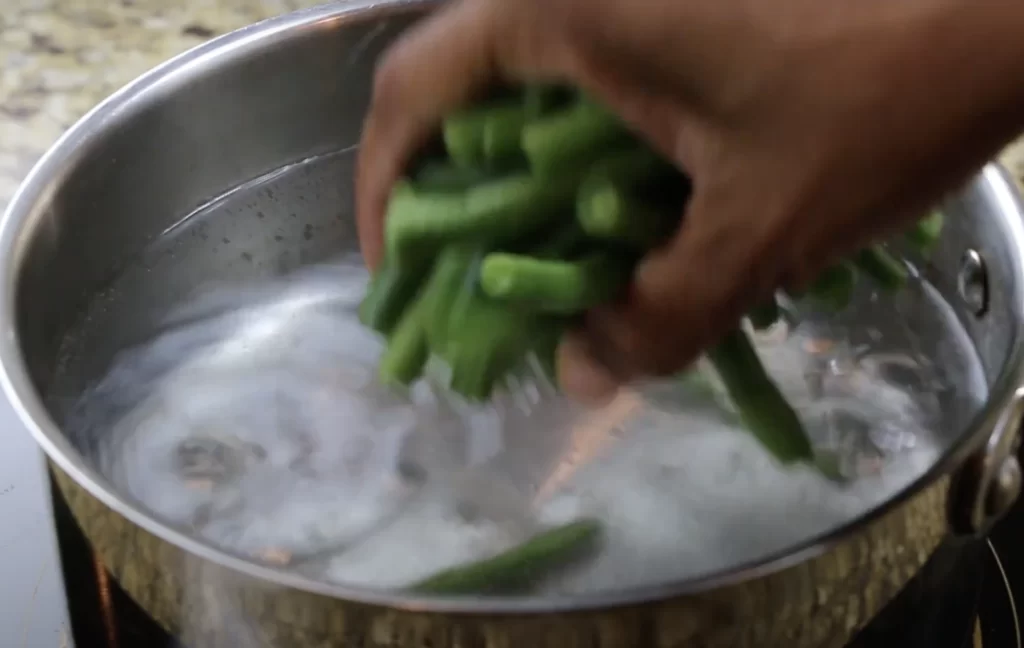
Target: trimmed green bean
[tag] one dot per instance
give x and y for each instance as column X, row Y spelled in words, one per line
column 438, row 176
column 463, row 135
column 758, row 401
column 486, row 341
column 636, row 169
column 538, row 100
column 503, row 133
column 451, row 280
column 571, row 138
column 926, row 232
column 605, row 211
column 390, row 293
column 418, row 221
column 833, row 288
column 518, row 567
column 407, row 350
column 510, row 207
column 764, row 316
column 883, row 268
column 513, row 206
column 562, row 287
column 562, row 243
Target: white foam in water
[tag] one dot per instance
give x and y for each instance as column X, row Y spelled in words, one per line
column 255, row 422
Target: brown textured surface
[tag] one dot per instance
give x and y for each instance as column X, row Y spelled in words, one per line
column 819, row 603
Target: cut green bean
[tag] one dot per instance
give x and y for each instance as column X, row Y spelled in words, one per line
column 451, row 280
column 883, row 268
column 418, row 221
column 463, row 135
column 437, row 176
column 764, row 316
column 486, row 341
column 833, row 289
column 407, row 350
column 572, row 138
column 758, row 401
column 562, row 287
column 480, row 358
column 518, row 567
column 605, row 212
column 503, row 133
column 562, row 243
column 513, row 206
column 637, row 169
column 926, row 232
column 390, row 292
column 538, row 100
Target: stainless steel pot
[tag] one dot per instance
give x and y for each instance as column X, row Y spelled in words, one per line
column 294, row 87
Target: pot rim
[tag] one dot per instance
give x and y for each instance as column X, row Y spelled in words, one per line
column 17, row 386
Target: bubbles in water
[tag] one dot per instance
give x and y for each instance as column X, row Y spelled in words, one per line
column 254, row 421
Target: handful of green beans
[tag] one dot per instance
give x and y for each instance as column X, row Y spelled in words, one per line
column 538, row 210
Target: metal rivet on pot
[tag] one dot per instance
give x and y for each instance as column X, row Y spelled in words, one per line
column 1004, row 489
column 972, row 282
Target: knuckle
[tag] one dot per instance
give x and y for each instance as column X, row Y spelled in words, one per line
column 387, row 78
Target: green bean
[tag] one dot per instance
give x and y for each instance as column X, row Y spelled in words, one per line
column 926, row 232
column 518, row 567
column 407, row 350
column 450, row 281
column 571, row 138
column 481, row 357
column 538, row 100
column 503, row 131
column 562, row 287
column 390, row 292
column 513, row 206
column 488, row 343
column 884, row 269
column 440, row 176
column 463, row 135
column 606, row 212
column 417, row 221
column 758, row 401
column 764, row 316
column 562, row 243
column 833, row 288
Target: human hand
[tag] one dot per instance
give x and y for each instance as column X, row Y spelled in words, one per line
column 808, row 128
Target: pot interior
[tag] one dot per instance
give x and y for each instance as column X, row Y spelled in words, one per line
column 232, row 168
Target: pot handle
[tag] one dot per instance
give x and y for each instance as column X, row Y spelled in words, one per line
column 986, row 486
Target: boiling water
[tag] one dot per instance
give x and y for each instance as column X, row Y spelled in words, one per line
column 252, row 419
column 257, row 425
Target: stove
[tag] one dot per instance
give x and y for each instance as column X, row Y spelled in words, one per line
column 56, row 593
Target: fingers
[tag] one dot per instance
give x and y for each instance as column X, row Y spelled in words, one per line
column 683, row 298
column 431, row 71
column 436, row 68
column 470, row 44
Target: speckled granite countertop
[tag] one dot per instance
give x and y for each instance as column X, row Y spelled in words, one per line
column 61, row 57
